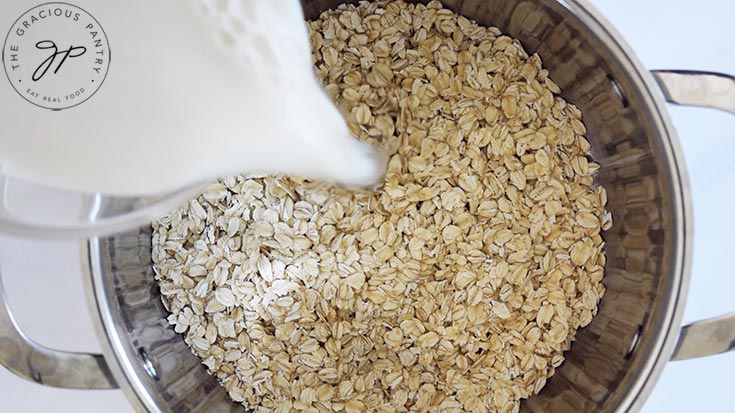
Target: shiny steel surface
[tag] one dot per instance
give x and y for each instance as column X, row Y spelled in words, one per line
column 707, row 337
column 616, row 360
column 45, row 366
column 692, row 88
column 717, row 91
column 132, row 323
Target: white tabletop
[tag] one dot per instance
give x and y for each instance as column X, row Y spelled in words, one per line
column 45, row 288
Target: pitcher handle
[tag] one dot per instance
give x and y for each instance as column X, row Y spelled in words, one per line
column 717, row 91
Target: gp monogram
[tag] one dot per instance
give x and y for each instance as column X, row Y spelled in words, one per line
column 56, row 55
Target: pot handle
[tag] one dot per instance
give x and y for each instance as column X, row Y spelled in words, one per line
column 710, row 90
column 33, row 362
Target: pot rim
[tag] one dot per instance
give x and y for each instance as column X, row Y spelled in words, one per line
column 120, row 354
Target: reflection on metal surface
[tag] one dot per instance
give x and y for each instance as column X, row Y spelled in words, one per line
column 634, row 343
column 710, row 90
column 618, row 91
column 705, row 338
column 44, row 366
column 148, row 364
column 135, row 319
column 692, row 88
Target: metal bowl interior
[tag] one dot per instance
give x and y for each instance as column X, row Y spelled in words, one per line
column 615, row 360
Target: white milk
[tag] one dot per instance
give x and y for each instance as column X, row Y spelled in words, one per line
column 194, row 90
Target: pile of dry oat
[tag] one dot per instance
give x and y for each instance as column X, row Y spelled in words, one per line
column 456, row 287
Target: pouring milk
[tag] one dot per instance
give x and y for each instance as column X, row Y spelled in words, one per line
column 135, row 98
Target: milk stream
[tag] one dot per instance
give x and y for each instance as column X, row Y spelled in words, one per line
column 196, row 90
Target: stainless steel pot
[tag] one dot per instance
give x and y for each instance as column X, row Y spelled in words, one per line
column 615, row 361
